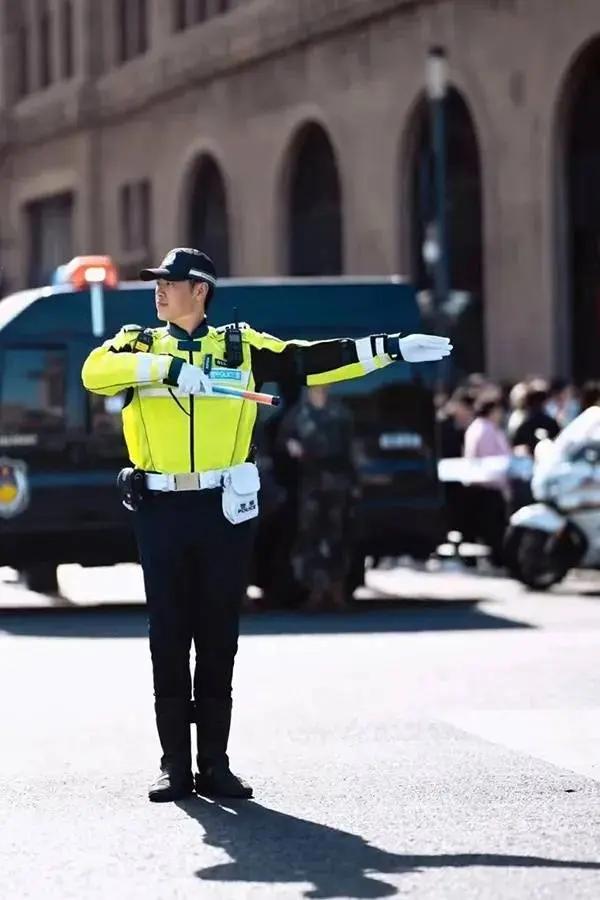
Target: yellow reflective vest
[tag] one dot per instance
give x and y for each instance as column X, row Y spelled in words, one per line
column 168, row 431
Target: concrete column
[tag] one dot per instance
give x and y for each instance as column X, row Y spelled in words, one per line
column 92, row 39
column 56, row 41
column 519, row 330
column 31, row 9
column 160, row 19
column 368, row 175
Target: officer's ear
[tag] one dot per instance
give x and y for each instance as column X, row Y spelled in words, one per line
column 200, row 290
column 205, row 291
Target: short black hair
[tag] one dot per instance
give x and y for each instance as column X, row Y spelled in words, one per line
column 464, row 395
column 487, row 403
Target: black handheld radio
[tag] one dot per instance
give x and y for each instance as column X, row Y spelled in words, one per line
column 234, row 352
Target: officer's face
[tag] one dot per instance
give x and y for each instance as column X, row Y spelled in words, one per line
column 177, row 300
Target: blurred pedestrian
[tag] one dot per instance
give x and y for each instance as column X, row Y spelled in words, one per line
column 318, row 433
column 453, row 421
column 563, row 404
column 485, row 437
column 536, row 423
column 516, row 400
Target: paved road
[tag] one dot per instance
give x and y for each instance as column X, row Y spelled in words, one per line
column 442, row 751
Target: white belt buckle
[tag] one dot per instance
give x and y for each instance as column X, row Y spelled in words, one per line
column 186, row 481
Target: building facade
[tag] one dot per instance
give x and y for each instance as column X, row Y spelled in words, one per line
column 292, row 137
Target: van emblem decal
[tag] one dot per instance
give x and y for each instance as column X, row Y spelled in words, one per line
column 14, row 487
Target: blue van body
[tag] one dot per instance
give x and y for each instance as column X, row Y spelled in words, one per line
column 61, row 448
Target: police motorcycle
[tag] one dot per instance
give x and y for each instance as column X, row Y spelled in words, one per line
column 560, row 530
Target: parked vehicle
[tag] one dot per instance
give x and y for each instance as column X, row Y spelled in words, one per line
column 61, row 447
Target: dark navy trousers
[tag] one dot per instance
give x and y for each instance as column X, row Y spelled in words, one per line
column 195, row 565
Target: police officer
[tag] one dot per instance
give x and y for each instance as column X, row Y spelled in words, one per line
column 194, row 491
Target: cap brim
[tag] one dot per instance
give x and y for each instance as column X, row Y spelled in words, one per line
column 153, row 274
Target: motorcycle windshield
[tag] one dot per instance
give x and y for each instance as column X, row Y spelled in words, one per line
column 581, row 432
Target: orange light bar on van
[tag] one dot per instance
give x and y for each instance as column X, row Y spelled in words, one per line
column 84, row 271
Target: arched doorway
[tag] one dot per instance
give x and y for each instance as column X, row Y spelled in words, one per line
column 208, row 218
column 464, row 317
column 579, row 134
column 314, row 206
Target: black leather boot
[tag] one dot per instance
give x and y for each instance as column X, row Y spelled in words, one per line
column 215, row 778
column 173, row 723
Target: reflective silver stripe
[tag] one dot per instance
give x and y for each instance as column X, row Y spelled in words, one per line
column 198, row 274
column 157, row 391
column 144, row 367
column 379, row 346
column 365, row 354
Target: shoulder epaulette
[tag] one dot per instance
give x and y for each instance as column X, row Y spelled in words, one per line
column 132, row 328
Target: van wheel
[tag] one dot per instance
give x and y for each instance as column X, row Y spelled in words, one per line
column 40, row 577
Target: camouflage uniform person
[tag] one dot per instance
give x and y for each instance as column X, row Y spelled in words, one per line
column 318, row 433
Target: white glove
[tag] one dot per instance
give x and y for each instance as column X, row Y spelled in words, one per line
column 192, row 380
column 416, row 348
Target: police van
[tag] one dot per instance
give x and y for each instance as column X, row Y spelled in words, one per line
column 61, row 447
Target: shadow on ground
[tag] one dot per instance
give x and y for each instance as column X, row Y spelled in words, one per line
column 129, row 620
column 271, row 847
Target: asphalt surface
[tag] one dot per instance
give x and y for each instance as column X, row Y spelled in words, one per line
column 444, row 749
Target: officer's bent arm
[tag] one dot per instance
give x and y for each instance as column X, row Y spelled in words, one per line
column 114, row 366
column 320, row 362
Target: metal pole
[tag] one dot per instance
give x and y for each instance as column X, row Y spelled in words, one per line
column 437, row 88
column 442, row 275
column 437, row 84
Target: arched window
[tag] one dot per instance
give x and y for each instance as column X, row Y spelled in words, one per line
column 314, row 206
column 208, row 219
column 580, row 166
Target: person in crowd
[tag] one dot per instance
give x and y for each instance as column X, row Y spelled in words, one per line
column 318, row 433
column 563, row 404
column 516, row 400
column 453, row 421
column 536, row 423
column 485, row 437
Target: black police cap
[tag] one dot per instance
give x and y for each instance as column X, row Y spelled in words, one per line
column 183, row 264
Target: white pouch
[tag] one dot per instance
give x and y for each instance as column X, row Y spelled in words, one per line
column 241, row 485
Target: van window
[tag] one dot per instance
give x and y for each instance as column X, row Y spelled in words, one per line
column 33, row 397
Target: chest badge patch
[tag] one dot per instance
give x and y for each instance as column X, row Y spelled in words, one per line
column 226, row 374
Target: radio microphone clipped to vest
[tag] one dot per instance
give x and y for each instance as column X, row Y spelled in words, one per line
column 234, row 352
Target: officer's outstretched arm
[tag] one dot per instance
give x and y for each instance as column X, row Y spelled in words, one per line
column 324, row 362
column 115, row 366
